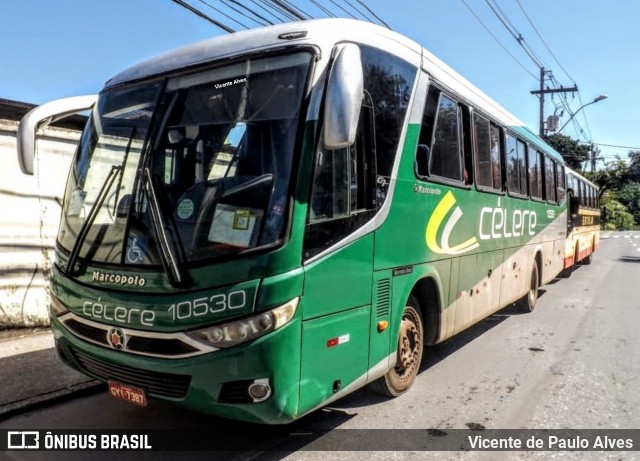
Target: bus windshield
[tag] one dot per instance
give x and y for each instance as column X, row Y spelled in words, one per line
column 197, row 165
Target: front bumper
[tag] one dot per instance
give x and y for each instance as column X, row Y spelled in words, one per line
column 209, row 383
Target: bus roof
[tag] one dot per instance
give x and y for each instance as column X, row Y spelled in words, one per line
column 579, row 176
column 325, row 33
column 312, row 32
column 534, row 139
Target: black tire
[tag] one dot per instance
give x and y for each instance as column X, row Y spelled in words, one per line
column 528, row 302
column 588, row 259
column 409, row 355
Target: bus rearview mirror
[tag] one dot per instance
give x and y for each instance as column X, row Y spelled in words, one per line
column 41, row 116
column 343, row 98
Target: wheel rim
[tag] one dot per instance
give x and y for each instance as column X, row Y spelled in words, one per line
column 409, row 349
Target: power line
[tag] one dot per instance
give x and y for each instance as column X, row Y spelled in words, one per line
column 576, row 124
column 544, row 42
column 497, row 40
column 514, row 32
column 224, row 14
column 343, row 9
column 323, row 9
column 270, row 12
column 613, row 146
column 504, row 19
column 264, row 20
column 263, row 8
column 584, row 116
column 360, row 12
column 520, row 39
column 374, row 15
column 286, row 6
column 288, row 16
column 204, row 16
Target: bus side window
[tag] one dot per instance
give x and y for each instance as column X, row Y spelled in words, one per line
column 488, row 166
column 561, row 187
column 535, row 176
column 467, row 144
column 343, row 190
column 516, row 166
column 441, row 131
column 426, row 133
column 344, row 178
column 350, row 185
column 550, row 179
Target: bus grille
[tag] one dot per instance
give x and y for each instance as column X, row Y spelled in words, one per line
column 158, row 346
column 153, row 382
column 87, row 331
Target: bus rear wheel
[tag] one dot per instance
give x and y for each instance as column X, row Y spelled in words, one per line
column 528, row 302
column 589, row 258
column 409, row 355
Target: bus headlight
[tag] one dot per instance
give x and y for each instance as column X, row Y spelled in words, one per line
column 240, row 331
column 56, row 308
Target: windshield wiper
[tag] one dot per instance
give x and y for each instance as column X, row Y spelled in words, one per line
column 168, row 257
column 91, row 217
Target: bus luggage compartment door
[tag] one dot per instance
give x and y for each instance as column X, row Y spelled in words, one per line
column 335, row 353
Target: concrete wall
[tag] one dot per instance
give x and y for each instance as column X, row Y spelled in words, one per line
column 29, row 216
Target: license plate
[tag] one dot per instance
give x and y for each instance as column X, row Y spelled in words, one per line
column 128, row 393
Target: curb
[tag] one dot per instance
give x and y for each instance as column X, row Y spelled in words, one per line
column 73, row 391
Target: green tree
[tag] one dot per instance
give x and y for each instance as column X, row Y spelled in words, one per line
column 629, row 196
column 574, row 153
column 613, row 177
column 634, row 166
column 615, row 215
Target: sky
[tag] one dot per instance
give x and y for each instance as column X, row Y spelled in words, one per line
column 58, row 48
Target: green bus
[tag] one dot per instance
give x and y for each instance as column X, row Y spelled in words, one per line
column 258, row 224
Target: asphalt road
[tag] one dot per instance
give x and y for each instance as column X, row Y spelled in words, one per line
column 572, row 363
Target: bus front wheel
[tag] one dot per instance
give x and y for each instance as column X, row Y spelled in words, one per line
column 409, row 355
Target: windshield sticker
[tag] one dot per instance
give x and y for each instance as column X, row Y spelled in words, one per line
column 235, row 227
column 185, row 209
column 241, row 219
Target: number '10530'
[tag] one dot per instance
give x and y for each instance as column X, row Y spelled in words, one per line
column 208, row 305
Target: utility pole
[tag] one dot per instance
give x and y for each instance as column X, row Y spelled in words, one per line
column 542, row 91
column 594, row 156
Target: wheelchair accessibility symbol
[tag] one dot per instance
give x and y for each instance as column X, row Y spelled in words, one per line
column 136, row 247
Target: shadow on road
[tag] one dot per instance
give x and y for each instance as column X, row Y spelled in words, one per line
column 433, row 355
column 629, row 259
